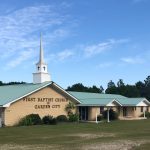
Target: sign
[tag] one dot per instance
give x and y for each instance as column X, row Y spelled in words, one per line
column 48, row 102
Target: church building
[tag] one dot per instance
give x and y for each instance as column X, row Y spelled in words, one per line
column 45, row 97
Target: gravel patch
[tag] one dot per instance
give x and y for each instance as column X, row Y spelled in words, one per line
column 92, row 136
column 25, row 147
column 117, row 145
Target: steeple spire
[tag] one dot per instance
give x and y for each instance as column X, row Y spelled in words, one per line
column 41, row 59
column 41, row 74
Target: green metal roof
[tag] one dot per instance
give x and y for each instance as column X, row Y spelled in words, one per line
column 95, row 102
column 9, row 93
column 130, row 101
column 97, row 99
column 85, row 95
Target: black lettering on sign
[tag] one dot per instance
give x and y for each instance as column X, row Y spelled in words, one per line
column 42, row 106
column 28, row 99
column 60, row 100
column 55, row 106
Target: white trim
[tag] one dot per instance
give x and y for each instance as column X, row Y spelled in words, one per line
column 147, row 103
column 8, row 104
column 110, row 103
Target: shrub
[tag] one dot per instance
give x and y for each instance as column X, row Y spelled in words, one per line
column 147, row 114
column 49, row 120
column 69, row 108
column 73, row 117
column 62, row 118
column 99, row 117
column 31, row 119
column 112, row 114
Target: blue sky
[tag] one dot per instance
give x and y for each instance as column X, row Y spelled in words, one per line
column 86, row 41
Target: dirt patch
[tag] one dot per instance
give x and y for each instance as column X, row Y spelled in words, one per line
column 117, row 145
column 25, row 147
column 92, row 136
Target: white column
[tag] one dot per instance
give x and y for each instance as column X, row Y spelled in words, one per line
column 108, row 120
column 144, row 111
column 96, row 116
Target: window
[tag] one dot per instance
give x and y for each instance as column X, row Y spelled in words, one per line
column 101, row 109
column 38, row 68
column 44, row 68
column 141, row 108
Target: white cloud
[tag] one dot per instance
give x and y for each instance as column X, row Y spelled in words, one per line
column 105, row 65
column 65, row 54
column 95, row 49
column 24, row 55
column 19, row 28
column 133, row 60
column 60, row 56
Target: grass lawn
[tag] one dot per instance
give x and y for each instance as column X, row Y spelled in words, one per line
column 85, row 136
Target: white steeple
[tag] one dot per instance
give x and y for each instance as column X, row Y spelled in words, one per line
column 41, row 58
column 41, row 74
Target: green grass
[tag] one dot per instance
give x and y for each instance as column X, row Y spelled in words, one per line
column 69, row 136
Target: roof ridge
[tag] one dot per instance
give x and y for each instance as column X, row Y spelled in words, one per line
column 97, row 93
column 99, row 98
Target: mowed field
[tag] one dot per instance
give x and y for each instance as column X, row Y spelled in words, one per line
column 116, row 135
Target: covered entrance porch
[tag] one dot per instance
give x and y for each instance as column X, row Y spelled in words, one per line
column 90, row 113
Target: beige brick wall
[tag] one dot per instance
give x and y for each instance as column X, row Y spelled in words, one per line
column 92, row 113
column 133, row 111
column 37, row 105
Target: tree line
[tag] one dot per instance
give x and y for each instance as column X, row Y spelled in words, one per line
column 139, row 89
column 11, row 83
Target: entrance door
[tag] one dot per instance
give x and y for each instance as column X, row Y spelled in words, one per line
column 83, row 113
column 124, row 111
